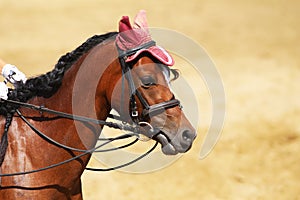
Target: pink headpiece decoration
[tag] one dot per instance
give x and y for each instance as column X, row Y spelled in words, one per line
column 131, row 37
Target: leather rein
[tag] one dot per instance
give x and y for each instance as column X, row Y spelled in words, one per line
column 135, row 129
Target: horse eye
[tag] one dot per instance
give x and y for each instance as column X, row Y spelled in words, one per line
column 148, row 81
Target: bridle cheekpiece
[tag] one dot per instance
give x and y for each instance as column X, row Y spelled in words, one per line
column 148, row 110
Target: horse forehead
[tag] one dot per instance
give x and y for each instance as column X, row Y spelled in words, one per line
column 144, row 61
column 150, row 67
column 146, row 64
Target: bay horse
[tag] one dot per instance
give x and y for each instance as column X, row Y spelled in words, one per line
column 84, row 82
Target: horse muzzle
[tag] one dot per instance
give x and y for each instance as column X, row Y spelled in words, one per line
column 180, row 143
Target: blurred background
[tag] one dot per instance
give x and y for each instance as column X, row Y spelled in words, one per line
column 254, row 45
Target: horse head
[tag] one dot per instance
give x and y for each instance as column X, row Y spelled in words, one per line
column 165, row 117
column 152, row 104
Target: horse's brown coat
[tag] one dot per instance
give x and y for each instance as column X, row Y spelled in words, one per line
column 87, row 86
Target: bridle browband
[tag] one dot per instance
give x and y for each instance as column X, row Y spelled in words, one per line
column 135, row 129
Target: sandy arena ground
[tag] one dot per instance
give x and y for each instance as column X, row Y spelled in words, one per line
column 255, row 46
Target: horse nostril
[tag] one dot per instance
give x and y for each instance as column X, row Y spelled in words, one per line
column 188, row 136
column 187, row 139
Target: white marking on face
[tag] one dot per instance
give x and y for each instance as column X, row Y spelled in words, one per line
column 166, row 74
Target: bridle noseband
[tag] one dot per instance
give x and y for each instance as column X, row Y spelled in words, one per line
column 148, row 110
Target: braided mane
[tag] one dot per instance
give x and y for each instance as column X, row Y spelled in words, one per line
column 47, row 84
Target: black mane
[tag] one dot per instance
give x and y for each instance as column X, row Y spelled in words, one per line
column 47, row 84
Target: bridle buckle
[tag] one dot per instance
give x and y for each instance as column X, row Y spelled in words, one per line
column 134, row 113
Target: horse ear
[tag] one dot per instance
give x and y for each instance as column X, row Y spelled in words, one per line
column 130, row 37
column 140, row 21
column 124, row 24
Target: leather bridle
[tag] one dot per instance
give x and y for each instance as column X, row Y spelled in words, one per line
column 148, row 110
